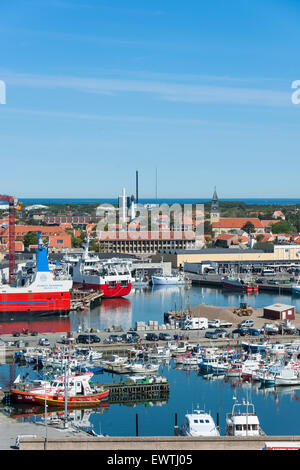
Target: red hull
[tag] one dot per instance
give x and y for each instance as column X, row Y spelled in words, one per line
column 108, row 292
column 27, row 397
column 240, row 288
column 36, row 302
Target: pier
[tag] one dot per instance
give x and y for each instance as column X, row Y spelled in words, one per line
column 214, row 280
column 85, row 298
column 161, row 443
column 128, row 391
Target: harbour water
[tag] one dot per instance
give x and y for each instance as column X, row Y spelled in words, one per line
column 188, row 389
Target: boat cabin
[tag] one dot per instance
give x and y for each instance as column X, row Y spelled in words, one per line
column 243, row 421
column 199, row 423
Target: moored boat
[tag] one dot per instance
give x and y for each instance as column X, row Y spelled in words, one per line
column 199, row 424
column 77, row 386
column 112, row 277
column 43, row 295
column 172, row 279
column 236, row 283
column 243, row 421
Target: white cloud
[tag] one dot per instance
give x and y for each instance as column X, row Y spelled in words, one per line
column 164, row 90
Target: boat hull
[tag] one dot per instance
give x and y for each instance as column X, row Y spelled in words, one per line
column 39, row 303
column 27, row 397
column 236, row 285
column 77, row 401
column 108, row 292
column 160, row 281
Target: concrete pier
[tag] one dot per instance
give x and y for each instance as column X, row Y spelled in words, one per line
column 165, row 443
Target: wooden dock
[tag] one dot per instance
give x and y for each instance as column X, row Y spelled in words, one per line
column 124, row 391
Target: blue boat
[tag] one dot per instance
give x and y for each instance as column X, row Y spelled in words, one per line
column 207, row 364
column 255, row 347
column 94, row 369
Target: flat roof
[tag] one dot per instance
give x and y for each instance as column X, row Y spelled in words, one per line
column 205, row 251
column 279, row 307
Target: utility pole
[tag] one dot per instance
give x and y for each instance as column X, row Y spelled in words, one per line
column 66, row 392
column 46, row 418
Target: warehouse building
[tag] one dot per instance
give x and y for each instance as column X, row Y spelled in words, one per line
column 279, row 312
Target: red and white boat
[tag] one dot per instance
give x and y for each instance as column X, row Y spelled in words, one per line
column 234, row 371
column 238, row 284
column 78, row 386
column 45, row 293
column 112, row 277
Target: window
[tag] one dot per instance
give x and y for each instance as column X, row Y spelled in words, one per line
column 195, row 421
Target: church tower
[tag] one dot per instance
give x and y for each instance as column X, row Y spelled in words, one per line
column 214, row 210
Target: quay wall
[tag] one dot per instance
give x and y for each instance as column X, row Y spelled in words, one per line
column 157, row 443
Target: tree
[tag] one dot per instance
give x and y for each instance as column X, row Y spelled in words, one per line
column 31, row 238
column 94, row 245
column 259, row 238
column 207, row 228
column 283, row 227
column 248, row 227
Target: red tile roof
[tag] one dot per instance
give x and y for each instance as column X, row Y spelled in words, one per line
column 237, row 222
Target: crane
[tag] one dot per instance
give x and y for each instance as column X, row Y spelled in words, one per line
column 13, row 204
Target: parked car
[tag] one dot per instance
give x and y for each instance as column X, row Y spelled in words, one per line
column 253, row 332
column 269, row 329
column 240, row 331
column 87, row 339
column 259, row 281
column 247, row 323
column 107, row 341
column 135, row 336
column 164, row 337
column 221, row 332
column 211, row 335
column 151, row 337
column 273, row 281
column 44, row 342
column 116, row 338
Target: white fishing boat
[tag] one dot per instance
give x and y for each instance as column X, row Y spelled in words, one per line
column 143, row 368
column 243, row 421
column 172, row 279
column 199, row 424
column 276, row 348
column 207, row 364
column 287, row 376
column 159, row 352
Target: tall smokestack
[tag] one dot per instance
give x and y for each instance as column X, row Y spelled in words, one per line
column 137, row 187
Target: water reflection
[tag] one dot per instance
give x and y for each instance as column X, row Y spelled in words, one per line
column 42, row 325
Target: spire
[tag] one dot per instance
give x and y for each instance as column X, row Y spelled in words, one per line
column 215, row 196
column 214, row 208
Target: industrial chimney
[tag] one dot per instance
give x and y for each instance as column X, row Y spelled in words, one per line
column 136, row 187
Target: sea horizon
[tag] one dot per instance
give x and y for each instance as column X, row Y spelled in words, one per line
column 248, row 201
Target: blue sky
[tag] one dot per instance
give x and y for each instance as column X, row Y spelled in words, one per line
column 200, row 90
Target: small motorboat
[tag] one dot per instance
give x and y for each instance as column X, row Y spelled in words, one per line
column 198, row 424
